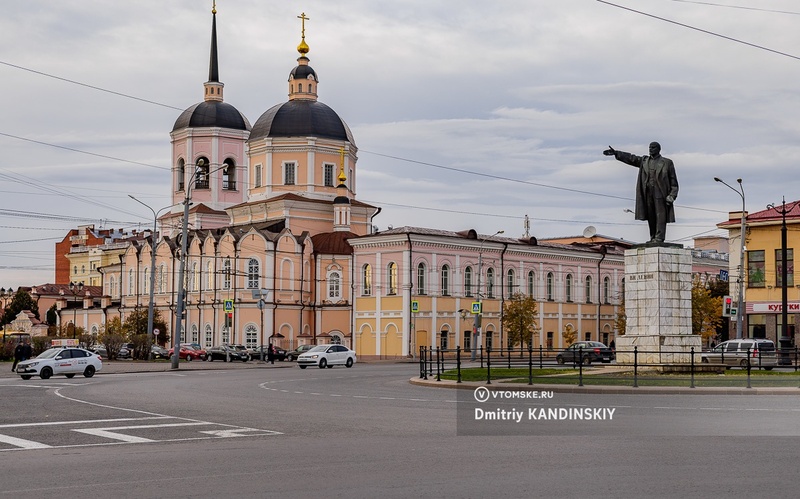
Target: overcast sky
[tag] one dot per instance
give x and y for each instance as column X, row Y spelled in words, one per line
column 467, row 114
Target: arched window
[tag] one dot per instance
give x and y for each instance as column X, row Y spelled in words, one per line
column 209, row 338
column 209, row 276
column 257, row 175
column 181, row 174
column 568, row 288
column 549, row 286
column 468, row 281
column 146, row 281
column 111, row 286
column 192, row 277
column 445, row 280
column 391, row 277
column 226, row 274
column 588, row 289
column 195, row 334
column 606, row 289
column 511, row 282
column 131, row 282
column 490, row 283
column 531, row 284
column 421, row 278
column 162, row 278
column 83, row 269
column 75, row 270
column 366, row 280
column 252, row 274
column 201, row 174
column 251, row 336
column 334, row 286
column 229, row 175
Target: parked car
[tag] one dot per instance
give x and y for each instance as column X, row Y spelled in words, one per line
column 294, row 354
column 68, row 361
column 159, row 352
column 187, row 352
column 327, row 356
column 255, row 352
column 242, row 349
column 586, row 352
column 734, row 353
column 226, row 353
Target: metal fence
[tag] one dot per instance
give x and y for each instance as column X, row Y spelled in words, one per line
column 435, row 362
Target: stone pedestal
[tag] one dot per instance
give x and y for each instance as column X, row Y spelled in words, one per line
column 658, row 306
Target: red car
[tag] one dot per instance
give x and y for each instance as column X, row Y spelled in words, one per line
column 189, row 353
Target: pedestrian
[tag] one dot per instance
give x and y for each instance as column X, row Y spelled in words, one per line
column 271, row 354
column 18, row 353
column 27, row 350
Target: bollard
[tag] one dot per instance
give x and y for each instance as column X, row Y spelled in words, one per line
column 692, row 370
column 488, row 365
column 636, row 367
column 530, row 363
column 423, row 374
column 438, row 368
column 458, row 363
column 748, row 368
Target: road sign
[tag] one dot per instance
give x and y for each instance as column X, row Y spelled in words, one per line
column 723, row 275
column 414, row 306
column 228, row 305
column 156, row 332
column 476, row 307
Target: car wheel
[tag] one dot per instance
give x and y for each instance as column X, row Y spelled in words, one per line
column 210, row 358
column 303, row 367
column 349, row 362
column 89, row 371
column 323, row 363
column 768, row 369
column 46, row 373
column 743, row 363
column 587, row 360
column 188, row 358
column 560, row 359
column 70, row 375
column 704, row 360
column 25, row 376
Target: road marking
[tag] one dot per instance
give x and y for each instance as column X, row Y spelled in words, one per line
column 86, row 421
column 22, row 443
column 114, row 436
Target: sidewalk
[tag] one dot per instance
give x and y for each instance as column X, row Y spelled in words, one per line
column 139, row 366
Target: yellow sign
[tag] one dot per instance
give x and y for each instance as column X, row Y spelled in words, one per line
column 228, row 305
column 476, row 307
column 414, row 306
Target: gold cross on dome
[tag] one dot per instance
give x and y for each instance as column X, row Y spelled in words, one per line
column 303, row 20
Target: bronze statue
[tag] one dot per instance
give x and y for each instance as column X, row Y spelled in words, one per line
column 656, row 188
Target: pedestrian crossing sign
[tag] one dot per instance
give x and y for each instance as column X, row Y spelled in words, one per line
column 228, row 305
column 414, row 306
column 476, row 307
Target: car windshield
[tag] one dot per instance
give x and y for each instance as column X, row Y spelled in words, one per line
column 318, row 348
column 49, row 353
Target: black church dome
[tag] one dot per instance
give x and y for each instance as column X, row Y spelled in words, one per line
column 210, row 114
column 301, row 118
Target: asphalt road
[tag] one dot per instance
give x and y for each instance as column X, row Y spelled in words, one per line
column 367, row 432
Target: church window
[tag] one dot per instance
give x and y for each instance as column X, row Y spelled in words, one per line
column 328, row 173
column 288, row 173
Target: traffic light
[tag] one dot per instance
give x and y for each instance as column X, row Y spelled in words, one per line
column 229, row 319
column 727, row 306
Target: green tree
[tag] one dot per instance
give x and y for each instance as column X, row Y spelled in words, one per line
column 706, row 311
column 519, row 319
column 112, row 337
column 135, row 328
column 22, row 301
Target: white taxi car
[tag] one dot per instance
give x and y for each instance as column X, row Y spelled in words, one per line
column 68, row 361
column 327, row 356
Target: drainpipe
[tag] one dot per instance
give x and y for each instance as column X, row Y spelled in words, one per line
column 503, row 295
column 603, row 251
column 411, row 332
column 302, row 283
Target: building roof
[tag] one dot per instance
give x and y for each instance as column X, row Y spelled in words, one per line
column 212, row 114
column 301, row 118
column 333, row 243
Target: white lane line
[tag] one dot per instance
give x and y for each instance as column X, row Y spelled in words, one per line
column 86, row 421
column 114, row 436
column 22, row 443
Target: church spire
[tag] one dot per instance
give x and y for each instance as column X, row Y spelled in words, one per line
column 303, row 80
column 213, row 87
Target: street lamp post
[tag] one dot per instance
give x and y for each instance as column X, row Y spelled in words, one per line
column 476, row 326
column 5, row 294
column 75, row 289
column 740, row 304
column 784, row 273
column 180, row 307
column 150, row 308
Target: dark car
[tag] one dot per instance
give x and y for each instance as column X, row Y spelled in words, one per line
column 586, row 352
column 226, row 353
column 255, row 352
column 159, row 352
column 294, row 354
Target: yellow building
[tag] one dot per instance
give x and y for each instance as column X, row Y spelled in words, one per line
column 763, row 285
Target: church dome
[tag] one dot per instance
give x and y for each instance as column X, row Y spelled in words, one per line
column 301, row 118
column 212, row 114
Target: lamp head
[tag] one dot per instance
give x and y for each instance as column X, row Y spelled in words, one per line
column 717, row 179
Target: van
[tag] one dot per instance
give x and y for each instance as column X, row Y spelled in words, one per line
column 735, row 353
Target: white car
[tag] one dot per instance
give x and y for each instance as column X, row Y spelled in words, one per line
column 68, row 361
column 327, row 356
